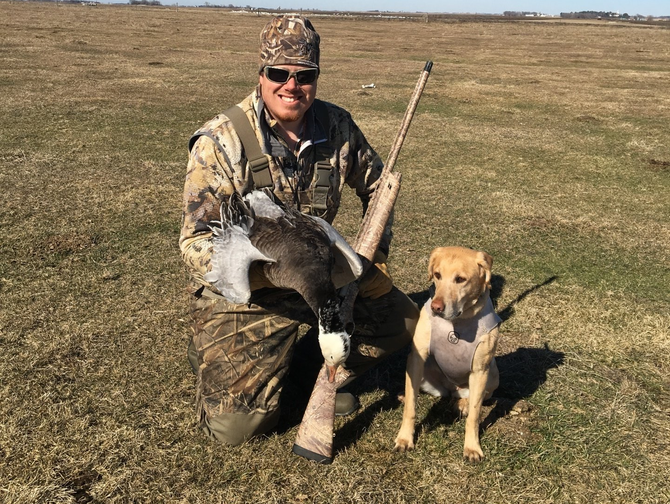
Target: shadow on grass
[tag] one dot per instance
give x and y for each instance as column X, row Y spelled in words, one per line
column 497, row 286
column 522, row 372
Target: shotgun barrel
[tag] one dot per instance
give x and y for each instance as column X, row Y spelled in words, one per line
column 384, row 197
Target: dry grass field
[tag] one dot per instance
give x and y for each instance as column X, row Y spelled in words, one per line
column 544, row 143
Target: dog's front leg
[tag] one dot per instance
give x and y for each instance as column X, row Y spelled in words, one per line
column 415, row 365
column 479, row 377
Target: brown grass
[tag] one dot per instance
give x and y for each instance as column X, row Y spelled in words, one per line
column 544, row 143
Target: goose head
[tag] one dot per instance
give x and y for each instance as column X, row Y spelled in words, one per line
column 334, row 339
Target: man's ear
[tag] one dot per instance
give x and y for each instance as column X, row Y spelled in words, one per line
column 485, row 263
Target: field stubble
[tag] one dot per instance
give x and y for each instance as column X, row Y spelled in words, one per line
column 545, row 144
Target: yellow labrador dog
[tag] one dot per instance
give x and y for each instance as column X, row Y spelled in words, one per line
column 454, row 343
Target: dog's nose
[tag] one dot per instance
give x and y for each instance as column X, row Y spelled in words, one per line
column 437, row 306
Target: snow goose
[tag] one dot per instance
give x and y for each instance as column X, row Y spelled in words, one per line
column 297, row 251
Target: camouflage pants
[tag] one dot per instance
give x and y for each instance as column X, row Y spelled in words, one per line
column 241, row 353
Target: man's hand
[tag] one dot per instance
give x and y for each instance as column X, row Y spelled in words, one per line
column 257, row 279
column 377, row 281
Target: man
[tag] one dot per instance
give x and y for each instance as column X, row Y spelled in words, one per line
column 305, row 150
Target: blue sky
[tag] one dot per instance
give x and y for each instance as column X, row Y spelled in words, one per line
column 644, row 7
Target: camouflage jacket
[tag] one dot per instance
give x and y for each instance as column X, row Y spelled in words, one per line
column 212, row 175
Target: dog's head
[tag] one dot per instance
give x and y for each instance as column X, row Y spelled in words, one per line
column 461, row 276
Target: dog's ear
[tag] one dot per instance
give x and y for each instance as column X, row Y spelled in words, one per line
column 485, row 263
column 432, row 262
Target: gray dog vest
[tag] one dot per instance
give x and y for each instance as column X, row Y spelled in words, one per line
column 453, row 342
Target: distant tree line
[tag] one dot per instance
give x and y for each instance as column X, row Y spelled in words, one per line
column 521, row 14
column 144, row 2
column 231, row 6
column 594, row 15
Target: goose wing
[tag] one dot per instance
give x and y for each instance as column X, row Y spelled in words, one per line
column 348, row 266
column 233, row 252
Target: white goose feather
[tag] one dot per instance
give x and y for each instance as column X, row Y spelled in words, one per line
column 232, row 256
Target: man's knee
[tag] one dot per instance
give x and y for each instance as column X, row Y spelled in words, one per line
column 192, row 355
column 398, row 327
column 236, row 428
column 407, row 311
column 399, row 315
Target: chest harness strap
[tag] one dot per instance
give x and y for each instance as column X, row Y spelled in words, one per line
column 258, row 162
column 324, row 174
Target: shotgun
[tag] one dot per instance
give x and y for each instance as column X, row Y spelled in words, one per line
column 315, row 435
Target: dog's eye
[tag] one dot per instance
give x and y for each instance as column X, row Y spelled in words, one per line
column 459, row 279
column 437, row 275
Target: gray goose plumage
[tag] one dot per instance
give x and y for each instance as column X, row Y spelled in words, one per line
column 298, row 252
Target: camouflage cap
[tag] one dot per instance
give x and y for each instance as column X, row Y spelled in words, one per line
column 289, row 40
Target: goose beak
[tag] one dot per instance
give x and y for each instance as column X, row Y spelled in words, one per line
column 332, row 370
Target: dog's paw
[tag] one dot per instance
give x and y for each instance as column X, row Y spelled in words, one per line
column 462, row 406
column 473, row 454
column 403, row 444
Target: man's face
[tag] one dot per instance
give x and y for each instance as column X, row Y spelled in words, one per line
column 287, row 102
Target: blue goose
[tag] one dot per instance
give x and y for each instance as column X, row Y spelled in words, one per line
column 297, row 252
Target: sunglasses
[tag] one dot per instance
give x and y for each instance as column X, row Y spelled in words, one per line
column 282, row 76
